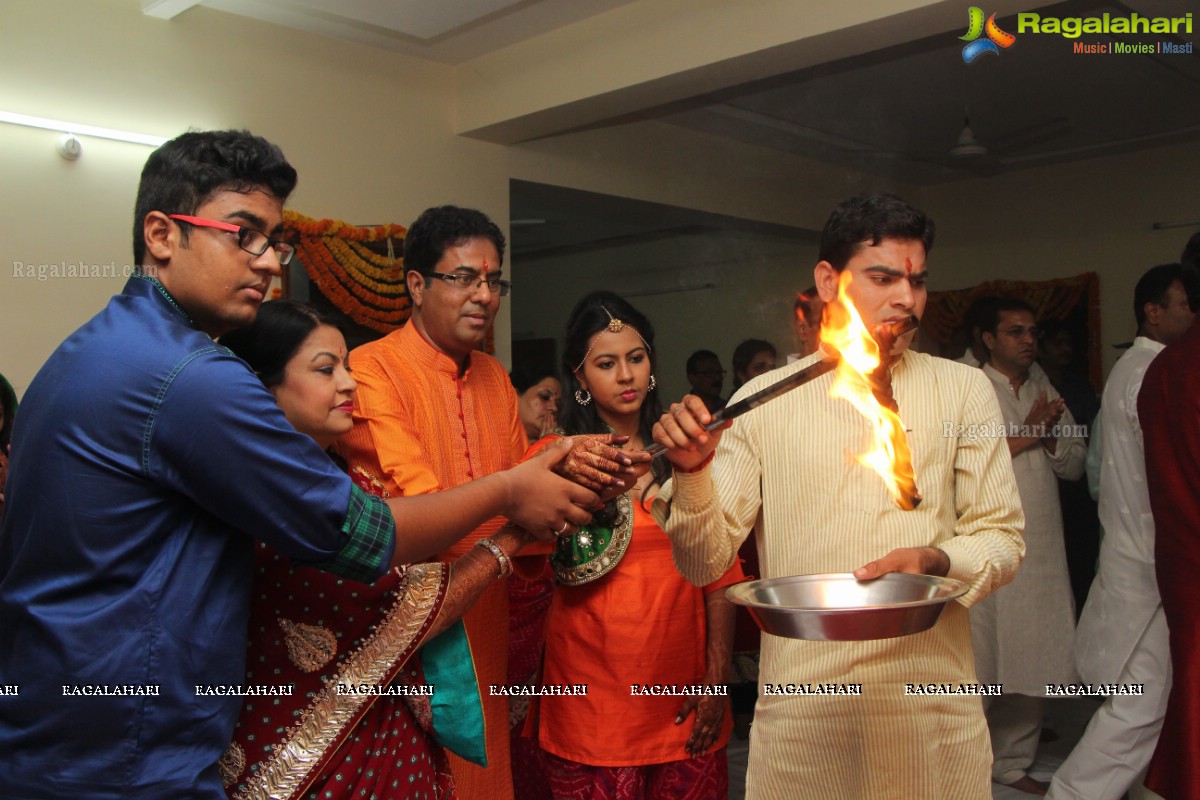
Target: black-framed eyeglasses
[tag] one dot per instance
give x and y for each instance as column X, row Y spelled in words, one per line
column 1021, row 332
column 252, row 241
column 466, row 282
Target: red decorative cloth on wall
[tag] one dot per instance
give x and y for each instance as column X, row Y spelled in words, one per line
column 1051, row 299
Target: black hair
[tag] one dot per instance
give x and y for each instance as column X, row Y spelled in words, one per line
column 590, row 316
column 1053, row 326
column 1153, row 286
column 977, row 313
column 1191, row 252
column 443, row 227
column 529, row 374
column 276, row 335
column 8, row 400
column 745, row 352
column 186, row 172
column 989, row 321
column 1190, row 259
column 700, row 355
column 869, row 219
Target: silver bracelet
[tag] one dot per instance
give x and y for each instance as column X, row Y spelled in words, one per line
column 506, row 565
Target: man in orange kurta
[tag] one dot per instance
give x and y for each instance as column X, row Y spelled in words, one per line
column 433, row 412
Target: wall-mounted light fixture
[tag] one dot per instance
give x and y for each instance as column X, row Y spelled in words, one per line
column 69, row 147
column 74, row 129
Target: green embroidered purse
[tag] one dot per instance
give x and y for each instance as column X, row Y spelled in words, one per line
column 593, row 551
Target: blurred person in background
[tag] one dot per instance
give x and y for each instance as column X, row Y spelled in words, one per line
column 1024, row 636
column 1122, row 632
column 8, row 415
column 752, row 358
column 539, row 394
column 806, row 322
column 707, row 378
column 1169, row 413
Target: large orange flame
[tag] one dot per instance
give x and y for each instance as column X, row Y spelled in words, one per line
column 843, row 331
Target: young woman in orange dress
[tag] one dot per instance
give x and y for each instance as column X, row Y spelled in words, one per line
column 653, row 650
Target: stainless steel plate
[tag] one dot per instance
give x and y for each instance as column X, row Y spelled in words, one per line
column 838, row 607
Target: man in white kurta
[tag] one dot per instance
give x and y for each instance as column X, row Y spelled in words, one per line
column 1122, row 633
column 788, row 472
column 1024, row 636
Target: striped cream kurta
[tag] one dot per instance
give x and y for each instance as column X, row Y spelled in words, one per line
column 788, row 471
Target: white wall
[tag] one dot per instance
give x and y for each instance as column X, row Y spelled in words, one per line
column 1085, row 216
column 362, row 152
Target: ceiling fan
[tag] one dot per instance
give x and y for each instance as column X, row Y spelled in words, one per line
column 971, row 153
column 984, row 157
column 968, row 153
column 967, row 145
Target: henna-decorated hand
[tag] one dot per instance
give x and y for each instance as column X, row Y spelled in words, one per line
column 641, row 465
column 539, row 498
column 709, row 709
column 597, row 463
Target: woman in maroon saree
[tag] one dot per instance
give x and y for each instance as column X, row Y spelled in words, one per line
column 359, row 720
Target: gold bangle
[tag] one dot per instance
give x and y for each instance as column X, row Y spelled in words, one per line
column 506, row 565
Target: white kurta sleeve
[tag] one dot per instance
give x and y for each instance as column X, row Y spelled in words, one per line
column 1070, row 451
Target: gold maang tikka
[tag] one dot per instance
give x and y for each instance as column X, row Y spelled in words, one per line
column 614, row 326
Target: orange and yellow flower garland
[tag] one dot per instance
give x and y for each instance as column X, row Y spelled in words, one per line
column 367, row 287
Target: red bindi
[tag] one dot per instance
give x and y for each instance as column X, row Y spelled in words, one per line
column 908, row 265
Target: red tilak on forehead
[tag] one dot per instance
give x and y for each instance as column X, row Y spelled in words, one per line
column 908, row 265
column 485, row 265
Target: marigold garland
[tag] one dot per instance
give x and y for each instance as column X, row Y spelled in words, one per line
column 367, row 287
column 309, row 227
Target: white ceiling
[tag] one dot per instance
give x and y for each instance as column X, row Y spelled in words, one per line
column 896, row 112
column 448, row 31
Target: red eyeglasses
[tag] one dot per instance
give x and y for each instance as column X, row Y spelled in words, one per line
column 250, row 240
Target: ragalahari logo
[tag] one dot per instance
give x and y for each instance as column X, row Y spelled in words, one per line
column 976, row 27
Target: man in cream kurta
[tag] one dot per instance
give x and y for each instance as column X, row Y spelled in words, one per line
column 788, row 472
column 1024, row 637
